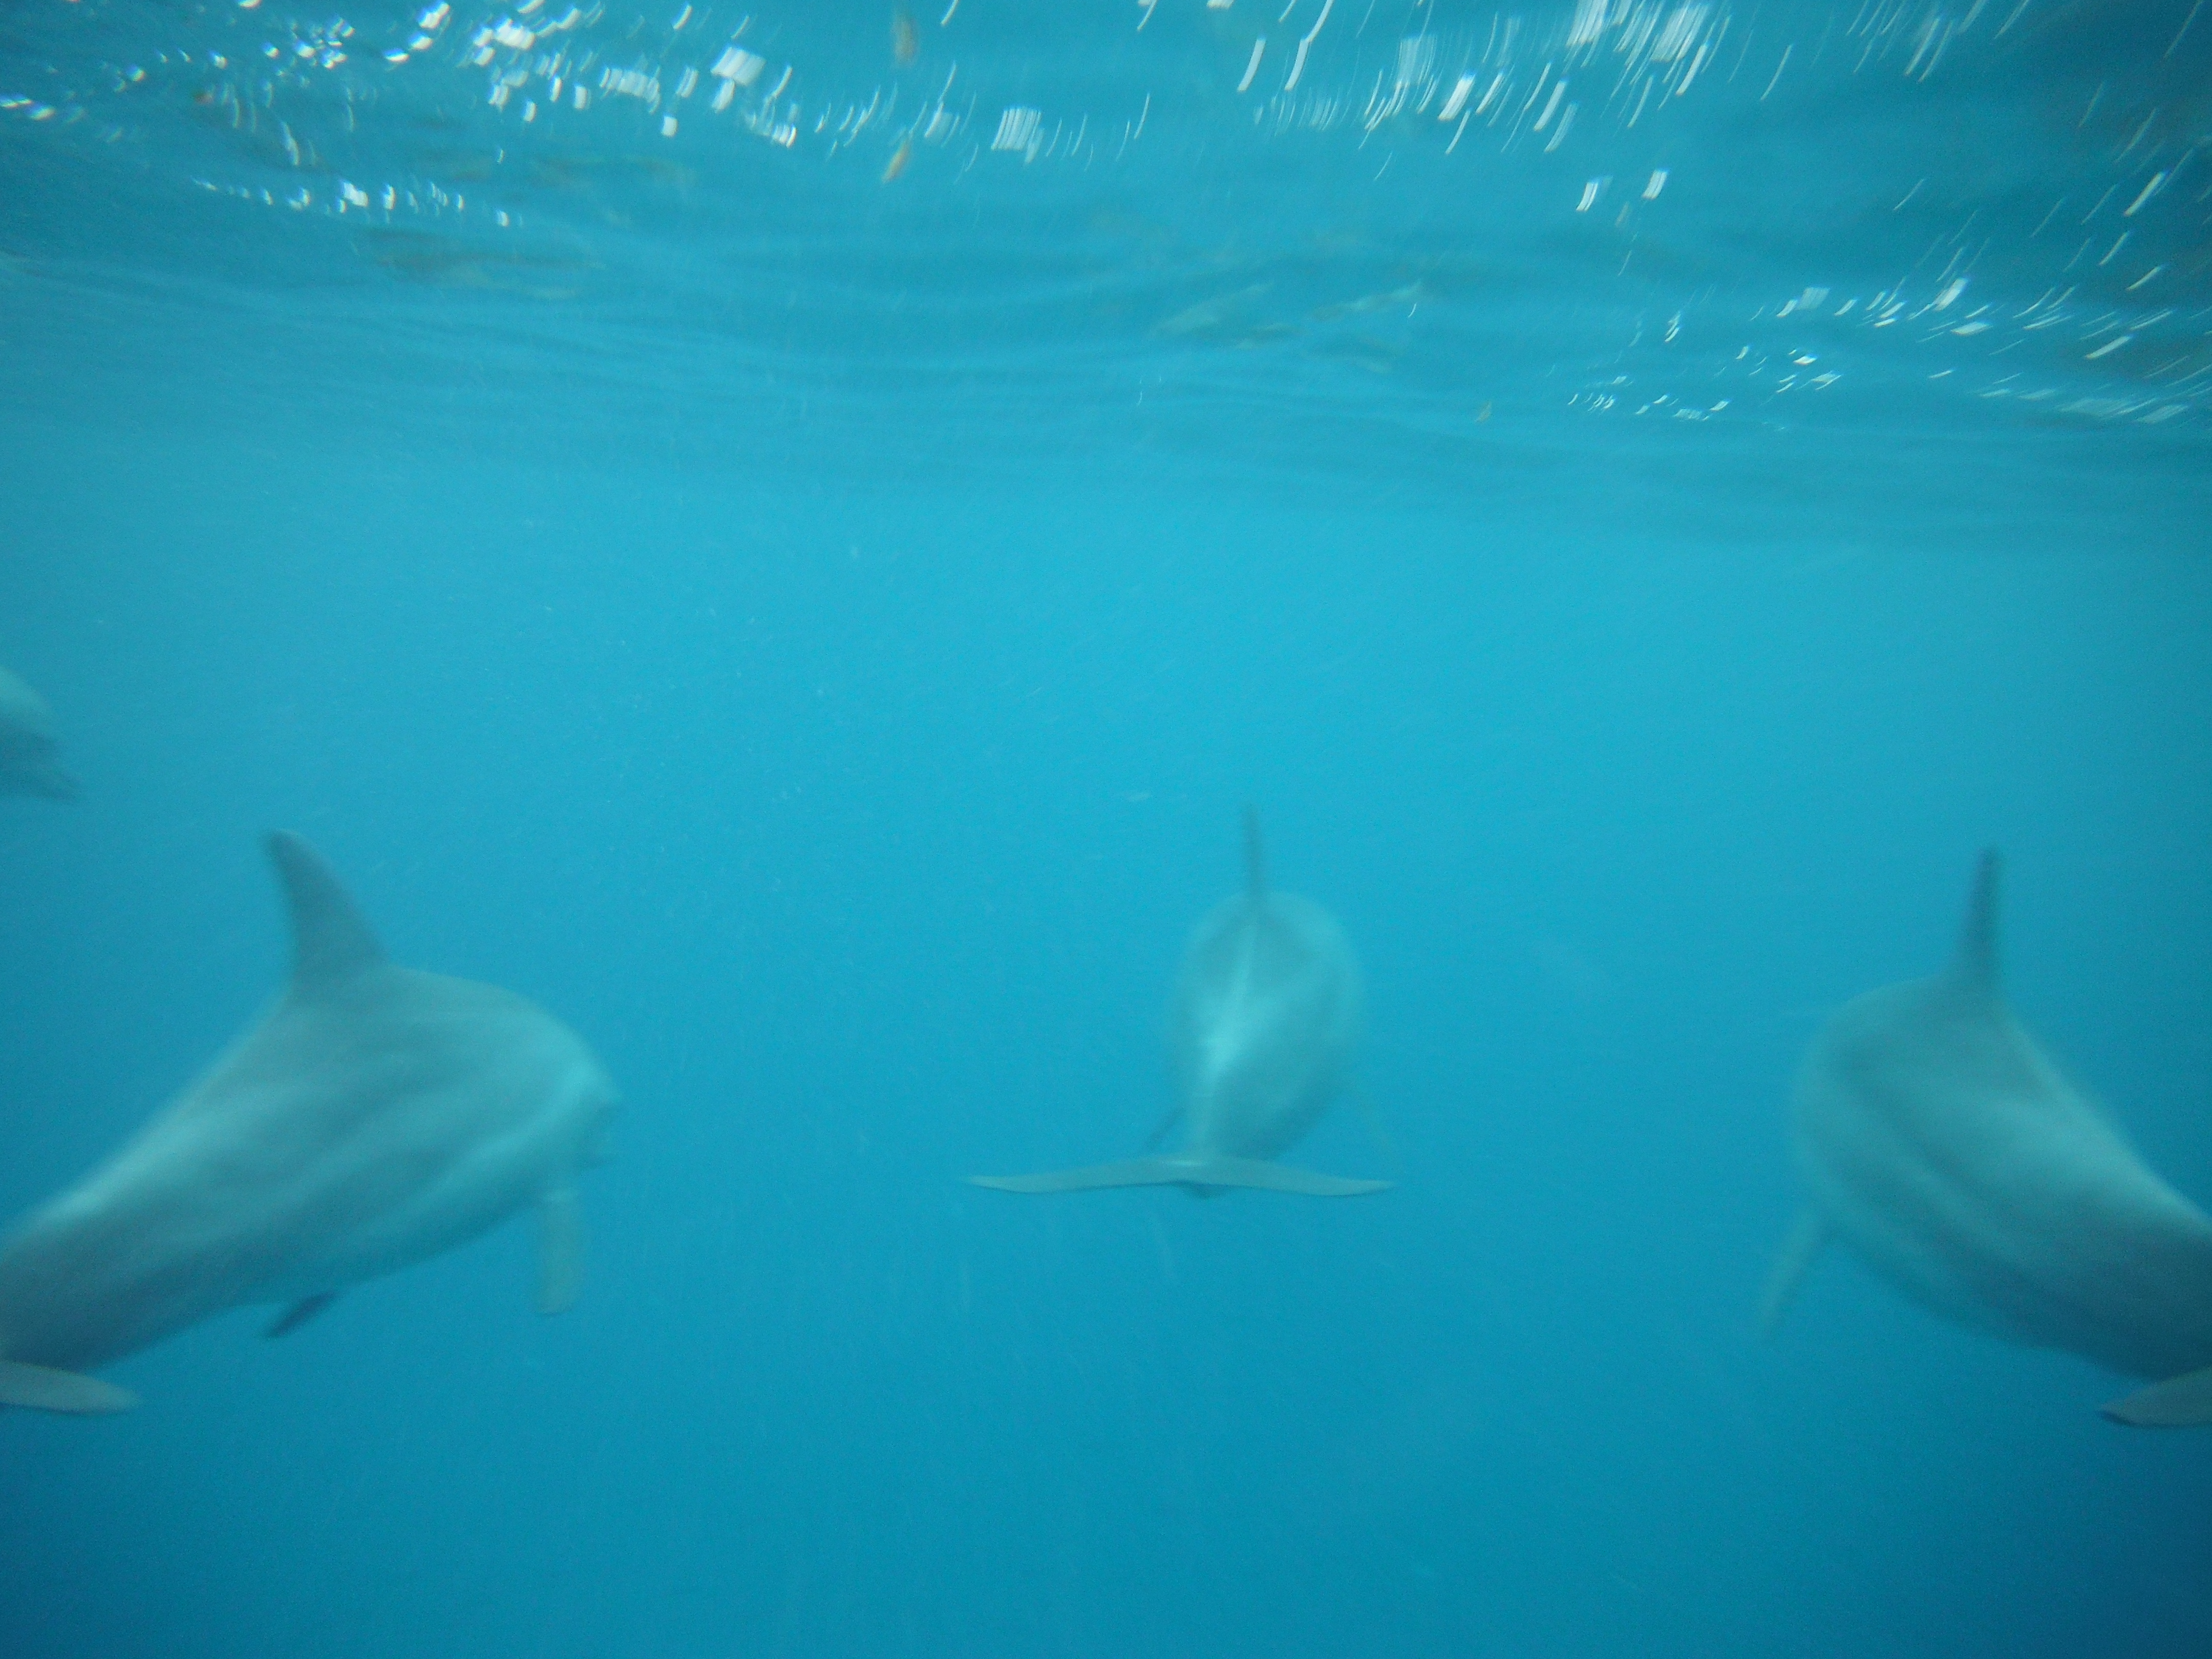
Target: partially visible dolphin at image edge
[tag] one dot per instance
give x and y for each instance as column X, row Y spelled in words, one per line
column 30, row 761
column 1267, row 1009
column 376, row 1115
column 1944, row 1148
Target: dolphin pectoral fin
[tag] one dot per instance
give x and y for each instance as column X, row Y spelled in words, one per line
column 1198, row 1172
column 1806, row 1233
column 2180, row 1402
column 560, row 1250
column 41, row 1388
column 300, row 1313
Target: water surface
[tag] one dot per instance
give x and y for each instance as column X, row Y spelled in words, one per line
column 804, row 587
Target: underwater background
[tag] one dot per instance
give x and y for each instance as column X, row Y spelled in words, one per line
column 790, row 536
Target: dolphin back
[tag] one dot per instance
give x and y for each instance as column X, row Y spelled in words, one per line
column 1267, row 1010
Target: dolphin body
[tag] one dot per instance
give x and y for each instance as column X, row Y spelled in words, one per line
column 30, row 764
column 1944, row 1148
column 1267, row 1009
column 373, row 1117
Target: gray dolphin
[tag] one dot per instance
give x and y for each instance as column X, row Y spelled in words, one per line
column 1267, row 1011
column 30, row 764
column 374, row 1116
column 1944, row 1148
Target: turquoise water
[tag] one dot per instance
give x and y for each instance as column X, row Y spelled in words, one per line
column 805, row 591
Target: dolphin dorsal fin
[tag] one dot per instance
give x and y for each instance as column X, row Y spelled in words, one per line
column 1975, row 966
column 1255, row 856
column 331, row 942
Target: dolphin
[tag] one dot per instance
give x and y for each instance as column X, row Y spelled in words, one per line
column 1267, row 1011
column 29, row 762
column 1944, row 1148
column 374, row 1116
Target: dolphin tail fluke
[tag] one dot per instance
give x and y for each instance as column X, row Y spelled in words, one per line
column 560, row 1250
column 1265, row 1175
column 1261, row 1174
column 2180, row 1402
column 1806, row 1233
column 41, row 1388
column 1130, row 1172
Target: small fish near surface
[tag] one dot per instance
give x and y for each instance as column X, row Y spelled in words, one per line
column 376, row 1117
column 1944, row 1148
column 1410, row 295
column 30, row 761
column 1224, row 318
column 1267, row 1010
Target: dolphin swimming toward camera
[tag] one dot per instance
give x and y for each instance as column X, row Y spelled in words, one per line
column 374, row 1116
column 30, row 764
column 1946, row 1149
column 1266, row 1012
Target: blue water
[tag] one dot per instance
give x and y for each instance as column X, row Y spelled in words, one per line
column 816, row 630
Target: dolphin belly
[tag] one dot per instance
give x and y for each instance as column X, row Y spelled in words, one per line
column 2027, row 1217
column 471, row 1194
column 2122, row 1297
column 1245, row 1117
column 76, row 1293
